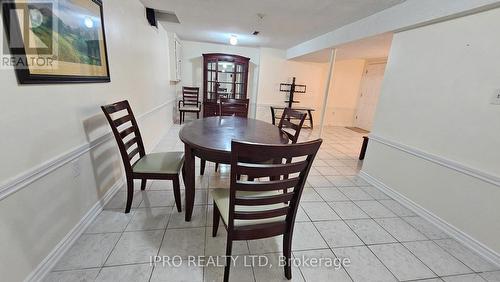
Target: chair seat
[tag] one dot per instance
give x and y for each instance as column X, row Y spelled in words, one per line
column 221, row 199
column 190, row 109
column 160, row 163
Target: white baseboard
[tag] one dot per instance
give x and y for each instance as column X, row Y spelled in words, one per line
column 451, row 230
column 65, row 244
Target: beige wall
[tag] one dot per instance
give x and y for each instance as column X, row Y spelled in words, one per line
column 276, row 69
column 344, row 92
column 43, row 122
column 436, row 99
column 344, row 87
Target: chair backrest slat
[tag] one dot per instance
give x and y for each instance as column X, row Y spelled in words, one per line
column 234, row 107
column 268, row 151
column 132, row 154
column 122, row 120
column 116, row 107
column 275, row 195
column 261, row 214
column 190, row 95
column 263, row 230
column 124, row 133
column 266, row 200
column 272, row 185
column 286, row 122
column 255, row 170
column 122, row 136
column 130, row 143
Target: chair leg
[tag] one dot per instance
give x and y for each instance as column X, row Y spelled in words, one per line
column 177, row 193
column 130, row 194
column 143, row 184
column 287, row 253
column 183, row 174
column 229, row 246
column 202, row 166
column 197, row 115
column 216, row 166
column 215, row 225
column 311, row 119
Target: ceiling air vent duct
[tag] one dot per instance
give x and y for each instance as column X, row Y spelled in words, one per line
column 165, row 16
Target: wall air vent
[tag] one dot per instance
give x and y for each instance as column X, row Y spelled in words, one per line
column 151, row 16
column 165, row 16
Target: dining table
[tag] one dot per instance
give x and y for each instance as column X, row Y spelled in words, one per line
column 210, row 139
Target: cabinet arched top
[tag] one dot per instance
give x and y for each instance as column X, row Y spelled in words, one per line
column 225, row 57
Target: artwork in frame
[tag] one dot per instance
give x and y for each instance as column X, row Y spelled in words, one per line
column 56, row 41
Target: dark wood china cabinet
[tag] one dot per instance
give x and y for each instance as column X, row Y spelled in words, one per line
column 224, row 76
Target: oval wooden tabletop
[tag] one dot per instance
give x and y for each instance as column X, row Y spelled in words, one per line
column 216, row 133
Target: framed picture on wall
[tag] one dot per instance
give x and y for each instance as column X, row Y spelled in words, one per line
column 55, row 41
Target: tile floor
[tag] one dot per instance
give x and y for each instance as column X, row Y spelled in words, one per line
column 341, row 215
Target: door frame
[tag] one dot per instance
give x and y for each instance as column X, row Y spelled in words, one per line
column 368, row 63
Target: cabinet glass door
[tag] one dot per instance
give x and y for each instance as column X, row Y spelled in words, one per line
column 225, row 80
column 212, row 80
column 239, row 81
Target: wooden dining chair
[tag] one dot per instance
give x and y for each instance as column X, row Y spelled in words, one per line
column 234, row 107
column 229, row 107
column 190, row 102
column 292, row 130
column 255, row 210
column 138, row 164
column 286, row 124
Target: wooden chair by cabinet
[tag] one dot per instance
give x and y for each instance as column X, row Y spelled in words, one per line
column 190, row 102
column 234, row 107
column 229, row 107
column 138, row 164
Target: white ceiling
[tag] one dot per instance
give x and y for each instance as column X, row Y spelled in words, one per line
column 369, row 48
column 285, row 23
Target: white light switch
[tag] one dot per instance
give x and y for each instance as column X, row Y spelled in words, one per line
column 495, row 100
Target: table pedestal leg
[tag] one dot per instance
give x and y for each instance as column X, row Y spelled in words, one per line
column 189, row 179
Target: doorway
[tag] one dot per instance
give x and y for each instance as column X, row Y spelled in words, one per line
column 371, row 84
